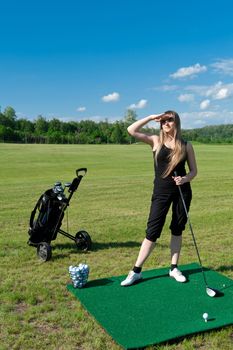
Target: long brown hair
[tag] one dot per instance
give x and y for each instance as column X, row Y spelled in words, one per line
column 179, row 151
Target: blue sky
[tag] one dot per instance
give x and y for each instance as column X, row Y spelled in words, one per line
column 76, row 59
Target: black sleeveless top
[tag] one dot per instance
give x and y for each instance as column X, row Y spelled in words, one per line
column 167, row 184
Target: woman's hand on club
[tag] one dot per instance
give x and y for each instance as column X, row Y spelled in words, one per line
column 179, row 180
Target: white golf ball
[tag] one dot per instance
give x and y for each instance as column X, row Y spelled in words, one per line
column 205, row 316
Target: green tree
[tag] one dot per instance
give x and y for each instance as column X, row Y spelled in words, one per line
column 55, row 137
column 54, row 125
column 41, row 125
column 130, row 118
column 9, row 113
column 25, row 125
column 7, row 134
column 117, row 135
column 8, row 117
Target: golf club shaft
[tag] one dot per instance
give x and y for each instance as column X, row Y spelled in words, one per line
column 191, row 230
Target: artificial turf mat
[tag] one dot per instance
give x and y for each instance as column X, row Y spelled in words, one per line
column 158, row 308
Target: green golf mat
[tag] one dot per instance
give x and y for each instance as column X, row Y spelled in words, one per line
column 158, row 309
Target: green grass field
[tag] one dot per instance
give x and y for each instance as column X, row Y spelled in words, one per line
column 112, row 204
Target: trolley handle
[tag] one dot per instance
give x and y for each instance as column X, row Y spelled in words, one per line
column 81, row 172
column 76, row 181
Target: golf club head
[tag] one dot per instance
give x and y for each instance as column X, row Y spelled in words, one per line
column 213, row 292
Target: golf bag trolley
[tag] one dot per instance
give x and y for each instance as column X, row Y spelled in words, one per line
column 46, row 218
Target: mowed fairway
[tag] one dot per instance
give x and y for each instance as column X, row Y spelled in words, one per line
column 112, row 203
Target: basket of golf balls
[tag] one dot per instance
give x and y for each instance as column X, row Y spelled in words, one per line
column 79, row 275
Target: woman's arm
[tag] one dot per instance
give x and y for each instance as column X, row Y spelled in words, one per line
column 192, row 164
column 134, row 129
column 191, row 160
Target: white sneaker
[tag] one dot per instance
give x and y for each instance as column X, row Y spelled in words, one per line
column 177, row 274
column 131, row 278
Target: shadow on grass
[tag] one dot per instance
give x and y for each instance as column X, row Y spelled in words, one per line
column 111, row 245
column 224, row 268
column 63, row 250
column 97, row 246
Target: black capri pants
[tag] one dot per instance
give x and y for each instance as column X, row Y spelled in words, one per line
column 160, row 204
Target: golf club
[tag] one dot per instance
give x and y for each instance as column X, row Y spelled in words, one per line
column 210, row 291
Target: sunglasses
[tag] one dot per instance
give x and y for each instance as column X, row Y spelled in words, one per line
column 169, row 120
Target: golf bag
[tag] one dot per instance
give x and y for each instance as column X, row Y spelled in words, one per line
column 50, row 213
column 46, row 218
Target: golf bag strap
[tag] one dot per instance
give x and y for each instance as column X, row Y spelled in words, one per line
column 34, row 211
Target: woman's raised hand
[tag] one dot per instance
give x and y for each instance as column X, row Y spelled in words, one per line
column 157, row 117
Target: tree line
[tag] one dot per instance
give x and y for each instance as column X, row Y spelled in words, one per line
column 41, row 130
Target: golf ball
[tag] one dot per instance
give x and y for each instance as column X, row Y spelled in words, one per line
column 79, row 275
column 205, row 316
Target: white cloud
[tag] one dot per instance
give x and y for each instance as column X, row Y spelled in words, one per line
column 220, row 91
column 95, row 118
column 197, row 89
column 190, row 71
column 204, row 104
column 186, row 98
column 224, row 66
column 199, row 123
column 21, row 115
column 166, row 88
column 141, row 104
column 115, row 96
column 100, row 118
column 81, row 109
column 192, row 120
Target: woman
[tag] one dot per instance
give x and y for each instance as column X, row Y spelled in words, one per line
column 170, row 154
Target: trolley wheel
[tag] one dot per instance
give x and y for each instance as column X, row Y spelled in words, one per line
column 44, row 251
column 83, row 240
